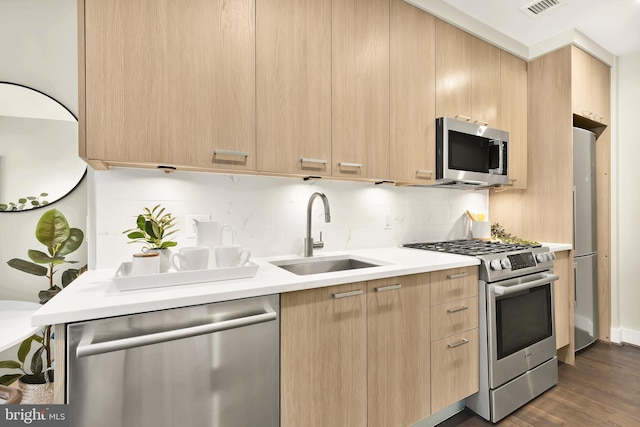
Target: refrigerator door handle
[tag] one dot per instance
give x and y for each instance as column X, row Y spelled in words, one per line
column 575, row 284
column 574, row 217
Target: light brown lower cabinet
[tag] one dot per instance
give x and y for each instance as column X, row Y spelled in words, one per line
column 398, row 351
column 455, row 368
column 363, row 354
column 323, row 357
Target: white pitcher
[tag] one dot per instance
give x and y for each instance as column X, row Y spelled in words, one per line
column 210, row 234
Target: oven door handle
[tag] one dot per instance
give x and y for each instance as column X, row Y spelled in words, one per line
column 506, row 290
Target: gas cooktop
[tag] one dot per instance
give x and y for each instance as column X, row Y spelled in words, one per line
column 470, row 247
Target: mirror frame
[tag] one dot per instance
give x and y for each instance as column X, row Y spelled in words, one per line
column 85, row 169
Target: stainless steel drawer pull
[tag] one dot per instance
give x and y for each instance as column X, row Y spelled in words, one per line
column 347, row 294
column 463, row 341
column 90, row 349
column 481, row 123
column 461, row 117
column 305, row 160
column 231, row 152
column 457, row 276
column 388, row 288
column 350, row 165
column 457, row 309
column 424, row 172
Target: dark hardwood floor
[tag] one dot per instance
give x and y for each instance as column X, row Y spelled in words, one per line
column 603, row 389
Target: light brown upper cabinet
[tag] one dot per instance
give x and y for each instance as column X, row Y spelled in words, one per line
column 360, row 89
column 467, row 76
column 513, row 115
column 453, row 72
column 293, row 86
column 398, row 350
column 591, row 89
column 412, row 121
column 169, row 83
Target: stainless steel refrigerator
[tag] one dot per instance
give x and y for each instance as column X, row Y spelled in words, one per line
column 584, row 238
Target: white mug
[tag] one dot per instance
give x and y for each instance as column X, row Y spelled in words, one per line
column 231, row 256
column 190, row 258
column 145, row 263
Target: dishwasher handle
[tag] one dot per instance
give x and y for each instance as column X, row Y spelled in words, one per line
column 90, row 349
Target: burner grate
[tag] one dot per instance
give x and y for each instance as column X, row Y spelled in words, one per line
column 469, row 247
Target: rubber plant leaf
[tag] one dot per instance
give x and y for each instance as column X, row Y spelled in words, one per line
column 52, row 228
column 9, row 364
column 76, row 236
column 27, row 267
column 9, row 378
column 36, row 361
column 24, row 349
column 47, row 294
column 41, row 258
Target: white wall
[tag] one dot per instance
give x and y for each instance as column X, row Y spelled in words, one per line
column 269, row 213
column 626, row 290
column 38, row 41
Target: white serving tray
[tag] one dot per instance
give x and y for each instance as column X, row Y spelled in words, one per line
column 123, row 281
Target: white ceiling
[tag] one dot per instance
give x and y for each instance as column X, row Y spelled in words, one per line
column 613, row 24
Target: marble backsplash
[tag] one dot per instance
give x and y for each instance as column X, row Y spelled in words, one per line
column 268, row 214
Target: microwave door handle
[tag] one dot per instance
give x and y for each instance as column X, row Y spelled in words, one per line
column 506, row 290
column 500, row 144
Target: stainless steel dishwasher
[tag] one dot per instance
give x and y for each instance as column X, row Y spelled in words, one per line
column 213, row 365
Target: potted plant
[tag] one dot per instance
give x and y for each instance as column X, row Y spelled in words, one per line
column 153, row 229
column 60, row 240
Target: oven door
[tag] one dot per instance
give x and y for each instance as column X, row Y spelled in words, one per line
column 520, row 322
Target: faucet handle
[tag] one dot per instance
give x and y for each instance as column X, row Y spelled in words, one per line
column 319, row 244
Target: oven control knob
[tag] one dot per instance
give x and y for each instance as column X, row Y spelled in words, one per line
column 505, row 263
column 541, row 257
column 495, row 264
column 552, row 256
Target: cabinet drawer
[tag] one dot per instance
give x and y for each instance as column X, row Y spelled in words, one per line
column 454, row 284
column 454, row 369
column 453, row 317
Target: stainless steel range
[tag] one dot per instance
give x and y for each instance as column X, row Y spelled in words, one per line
column 517, row 334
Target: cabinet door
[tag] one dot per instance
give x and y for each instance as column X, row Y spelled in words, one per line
column 293, row 85
column 601, row 88
column 453, row 77
column 324, row 357
column 485, row 82
column 169, row 82
column 590, row 86
column 398, row 350
column 412, row 122
column 513, row 115
column 455, row 369
column 360, row 89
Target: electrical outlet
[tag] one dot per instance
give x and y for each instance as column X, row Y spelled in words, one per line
column 190, row 225
column 387, row 221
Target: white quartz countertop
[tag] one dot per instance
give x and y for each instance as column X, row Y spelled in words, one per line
column 93, row 295
column 557, row 247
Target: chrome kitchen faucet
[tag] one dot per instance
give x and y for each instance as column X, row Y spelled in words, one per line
column 309, row 245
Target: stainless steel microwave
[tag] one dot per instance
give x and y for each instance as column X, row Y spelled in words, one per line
column 470, row 155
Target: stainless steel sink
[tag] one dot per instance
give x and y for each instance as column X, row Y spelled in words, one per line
column 319, row 265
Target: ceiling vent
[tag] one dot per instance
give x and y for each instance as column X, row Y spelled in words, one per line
column 537, row 8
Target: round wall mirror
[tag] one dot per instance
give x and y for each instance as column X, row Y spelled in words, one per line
column 39, row 161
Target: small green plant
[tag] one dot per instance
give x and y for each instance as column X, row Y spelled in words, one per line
column 23, row 203
column 153, row 228
column 60, row 240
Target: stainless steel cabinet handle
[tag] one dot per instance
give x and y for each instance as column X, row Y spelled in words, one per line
column 481, row 123
column 231, row 152
column 463, row 341
column 306, row 160
column 457, row 309
column 388, row 288
column 91, row 349
column 350, row 165
column 424, row 172
column 457, row 276
column 347, row 294
column 461, row 117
